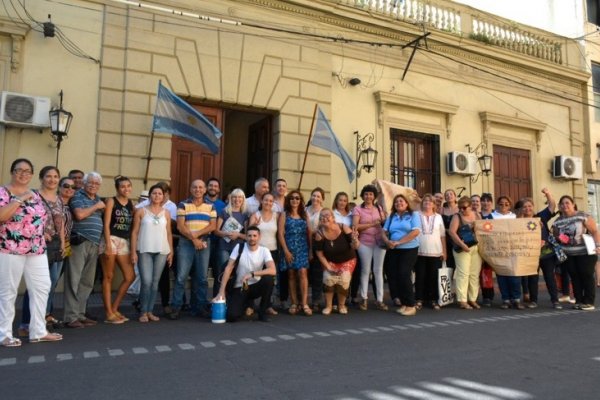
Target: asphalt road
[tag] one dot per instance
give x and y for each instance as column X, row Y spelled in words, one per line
column 452, row 354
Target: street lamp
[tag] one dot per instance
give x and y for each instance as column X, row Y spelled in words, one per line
column 365, row 155
column 60, row 122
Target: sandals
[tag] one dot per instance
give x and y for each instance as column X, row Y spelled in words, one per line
column 363, row 305
column 124, row 318
column 50, row 337
column 271, row 311
column 380, row 305
column 113, row 319
column 143, row 318
column 419, row 305
column 435, row 306
column 326, row 311
column 153, row 317
column 464, row 305
column 474, row 305
column 10, row 342
column 343, row 310
column 307, row 310
column 293, row 310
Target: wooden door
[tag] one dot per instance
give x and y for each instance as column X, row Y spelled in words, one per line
column 258, row 163
column 191, row 161
column 512, row 172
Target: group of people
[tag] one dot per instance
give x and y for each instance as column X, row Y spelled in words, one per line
column 257, row 243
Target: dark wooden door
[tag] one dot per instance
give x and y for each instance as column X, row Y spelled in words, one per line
column 258, row 163
column 415, row 161
column 191, row 161
column 512, row 172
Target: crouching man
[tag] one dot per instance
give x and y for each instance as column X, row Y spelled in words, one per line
column 253, row 277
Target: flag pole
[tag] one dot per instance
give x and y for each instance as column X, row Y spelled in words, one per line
column 312, row 125
column 148, row 159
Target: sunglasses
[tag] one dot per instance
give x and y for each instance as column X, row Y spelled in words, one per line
column 464, row 208
column 67, row 186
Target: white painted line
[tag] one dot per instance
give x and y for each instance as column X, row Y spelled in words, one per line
column 115, row 352
column 595, row 358
column 304, row 335
column 36, row 359
column 186, row 346
column 139, row 350
column 440, row 323
column 207, row 345
column 495, row 390
column 426, row 325
column 414, row 326
column 286, row 337
column 401, row 327
column 228, row 342
column 417, row 393
column 370, row 330
column 456, row 393
column 162, row 348
column 248, row 341
column 384, row 328
column 64, row 357
column 7, row 361
column 91, row 354
column 322, row 334
column 267, row 339
column 465, row 321
column 452, row 322
column 477, row 320
column 354, row 331
column 375, row 395
column 339, row 333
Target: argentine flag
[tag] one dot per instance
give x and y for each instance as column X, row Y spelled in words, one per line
column 176, row 117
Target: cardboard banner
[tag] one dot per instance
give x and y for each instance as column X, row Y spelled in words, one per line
column 511, row 246
column 388, row 190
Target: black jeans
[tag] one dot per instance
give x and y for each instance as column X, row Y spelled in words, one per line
column 547, row 266
column 426, row 278
column 238, row 298
column 398, row 266
column 581, row 270
column 315, row 276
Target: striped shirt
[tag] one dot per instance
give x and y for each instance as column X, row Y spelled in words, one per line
column 196, row 217
column 92, row 226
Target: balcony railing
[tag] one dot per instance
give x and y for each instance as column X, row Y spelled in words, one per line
column 460, row 20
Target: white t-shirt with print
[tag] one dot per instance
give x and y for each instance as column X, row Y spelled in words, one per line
column 250, row 261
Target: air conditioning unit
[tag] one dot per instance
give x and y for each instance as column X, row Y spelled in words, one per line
column 24, row 111
column 461, row 163
column 567, row 167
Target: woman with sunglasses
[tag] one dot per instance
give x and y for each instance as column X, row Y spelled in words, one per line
column 569, row 229
column 294, row 234
column 466, row 255
column 54, row 233
column 23, row 218
column 115, row 248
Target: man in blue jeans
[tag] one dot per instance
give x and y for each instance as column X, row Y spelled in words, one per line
column 196, row 219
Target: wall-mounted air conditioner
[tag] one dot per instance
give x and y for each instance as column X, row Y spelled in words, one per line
column 567, row 167
column 461, row 163
column 24, row 111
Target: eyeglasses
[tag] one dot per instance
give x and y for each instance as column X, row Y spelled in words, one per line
column 21, row 171
column 295, row 198
column 464, row 208
column 504, row 204
column 67, row 186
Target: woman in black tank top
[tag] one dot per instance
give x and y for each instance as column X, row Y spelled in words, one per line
column 114, row 248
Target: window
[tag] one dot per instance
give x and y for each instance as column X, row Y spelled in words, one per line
column 593, row 12
column 415, row 160
column 596, row 85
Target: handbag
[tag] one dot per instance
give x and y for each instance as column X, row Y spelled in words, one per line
column 54, row 250
column 466, row 234
column 445, row 287
column 560, row 255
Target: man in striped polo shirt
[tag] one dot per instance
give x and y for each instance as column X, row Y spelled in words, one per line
column 196, row 219
column 87, row 209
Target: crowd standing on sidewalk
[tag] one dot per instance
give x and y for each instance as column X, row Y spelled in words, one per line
column 268, row 242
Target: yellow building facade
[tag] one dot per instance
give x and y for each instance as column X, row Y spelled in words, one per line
column 477, row 83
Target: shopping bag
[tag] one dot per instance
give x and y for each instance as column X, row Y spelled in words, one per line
column 445, row 287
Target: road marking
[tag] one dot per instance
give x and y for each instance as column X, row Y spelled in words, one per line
column 207, row 345
column 139, row 350
column 415, row 326
column 339, row 333
column 426, row 325
column 501, row 391
column 248, row 341
column 162, row 348
column 304, row 335
column 452, row 322
column 36, row 359
column 384, row 328
column 91, row 354
column 115, row 352
column 64, row 357
column 267, row 339
column 354, row 331
column 286, row 337
column 7, row 361
column 370, row 330
column 440, row 323
column 465, row 321
column 228, row 342
column 401, row 327
column 596, row 358
column 322, row 334
column 186, row 346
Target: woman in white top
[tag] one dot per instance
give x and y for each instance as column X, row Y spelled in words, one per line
column 432, row 251
column 315, row 272
column 266, row 220
column 341, row 209
column 151, row 237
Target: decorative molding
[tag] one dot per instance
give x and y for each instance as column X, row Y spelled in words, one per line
column 17, row 32
column 384, row 98
column 488, row 118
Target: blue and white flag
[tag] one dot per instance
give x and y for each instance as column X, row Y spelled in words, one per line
column 324, row 138
column 175, row 116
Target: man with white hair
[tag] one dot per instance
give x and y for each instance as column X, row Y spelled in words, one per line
column 87, row 208
column 261, row 187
